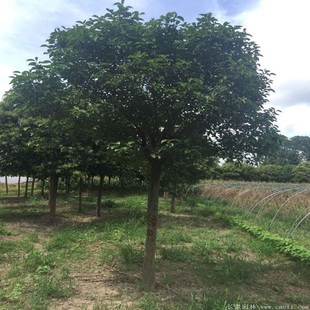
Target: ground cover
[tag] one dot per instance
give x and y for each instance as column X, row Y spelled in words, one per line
column 81, row 262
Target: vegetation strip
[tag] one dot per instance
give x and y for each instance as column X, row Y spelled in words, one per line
column 287, row 246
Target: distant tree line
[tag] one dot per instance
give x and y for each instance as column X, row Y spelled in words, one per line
column 289, row 163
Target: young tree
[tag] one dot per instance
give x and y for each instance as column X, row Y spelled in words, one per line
column 164, row 81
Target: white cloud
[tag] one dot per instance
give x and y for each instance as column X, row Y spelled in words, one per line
column 294, row 121
column 280, row 28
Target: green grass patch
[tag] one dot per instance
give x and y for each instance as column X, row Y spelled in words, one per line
column 203, row 259
column 177, row 254
column 3, row 230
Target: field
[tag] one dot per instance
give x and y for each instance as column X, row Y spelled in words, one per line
column 204, row 260
column 280, row 208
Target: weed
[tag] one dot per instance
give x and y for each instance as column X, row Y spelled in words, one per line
column 15, row 268
column 263, row 249
column 8, row 246
column 237, row 270
column 3, row 230
column 101, row 305
column 124, row 231
column 129, row 255
column 39, row 262
column 69, row 243
column 174, row 236
column 109, row 204
column 63, row 239
column 114, row 232
column 177, row 254
column 33, row 237
column 107, row 256
column 16, row 289
column 204, row 302
column 205, row 249
column 149, row 302
column 297, row 298
column 51, row 286
column 168, row 280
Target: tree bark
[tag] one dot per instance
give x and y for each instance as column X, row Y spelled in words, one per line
column 80, row 210
column 6, row 185
column 172, row 203
column 18, row 186
column 166, row 195
column 68, row 185
column 88, row 185
column 92, row 183
column 26, row 187
column 98, row 213
column 32, row 185
column 53, row 194
column 148, row 274
column 42, row 188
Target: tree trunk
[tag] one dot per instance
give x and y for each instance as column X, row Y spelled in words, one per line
column 42, row 188
column 172, row 203
column 26, row 187
column 6, row 185
column 32, row 185
column 88, row 185
column 98, row 213
column 18, row 186
column 80, row 210
column 181, row 200
column 92, row 183
column 53, row 194
column 148, row 274
column 68, row 185
column 166, row 195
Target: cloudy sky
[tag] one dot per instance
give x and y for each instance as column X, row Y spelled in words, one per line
column 279, row 27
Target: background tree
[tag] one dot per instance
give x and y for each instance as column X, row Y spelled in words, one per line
column 183, row 168
column 166, row 80
column 301, row 144
column 301, row 173
column 270, row 173
column 290, row 151
column 236, row 171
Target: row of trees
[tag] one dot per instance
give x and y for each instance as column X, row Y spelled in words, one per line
column 265, row 173
column 290, row 151
column 164, row 97
column 289, row 162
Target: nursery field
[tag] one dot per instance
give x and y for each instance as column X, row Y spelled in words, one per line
column 206, row 259
column 279, row 208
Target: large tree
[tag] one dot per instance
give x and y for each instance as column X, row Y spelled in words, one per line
column 164, row 82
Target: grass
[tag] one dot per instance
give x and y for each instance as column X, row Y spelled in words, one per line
column 202, row 261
